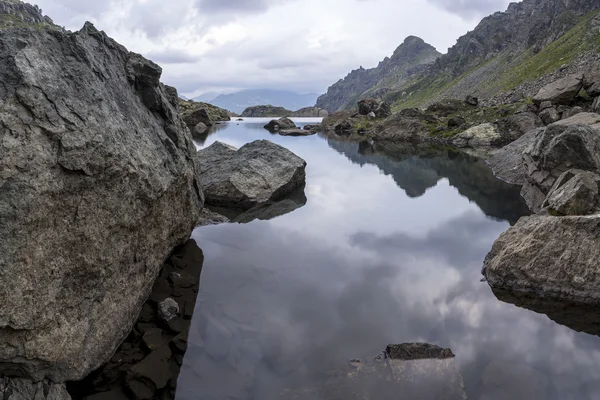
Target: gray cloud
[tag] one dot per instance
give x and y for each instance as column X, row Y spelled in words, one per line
column 171, row 56
column 471, row 8
column 235, row 6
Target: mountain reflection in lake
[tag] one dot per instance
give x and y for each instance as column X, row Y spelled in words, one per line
column 388, row 249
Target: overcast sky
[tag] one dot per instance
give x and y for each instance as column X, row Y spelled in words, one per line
column 299, row 45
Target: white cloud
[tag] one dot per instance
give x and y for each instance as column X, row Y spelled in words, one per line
column 286, row 44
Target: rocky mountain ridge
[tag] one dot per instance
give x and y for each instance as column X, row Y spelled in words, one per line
column 407, row 61
column 507, row 50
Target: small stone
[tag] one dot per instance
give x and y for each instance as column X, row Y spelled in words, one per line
column 472, row 101
column 549, row 116
column 371, row 115
column 545, row 104
column 153, row 339
column 168, row 309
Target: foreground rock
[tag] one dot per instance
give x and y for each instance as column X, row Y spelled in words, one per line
column 98, row 184
column 147, row 364
column 258, row 172
column 406, row 371
column 279, row 124
column 551, row 257
column 23, row 389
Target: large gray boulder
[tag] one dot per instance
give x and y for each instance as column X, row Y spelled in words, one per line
column 258, row 172
column 575, row 193
column 562, row 91
column 24, row 389
column 558, row 149
column 281, row 123
column 484, row 135
column 507, row 162
column 553, row 257
column 98, row 184
column 591, row 81
column 517, row 125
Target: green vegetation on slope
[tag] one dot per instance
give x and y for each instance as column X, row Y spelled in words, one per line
column 504, row 72
column 562, row 51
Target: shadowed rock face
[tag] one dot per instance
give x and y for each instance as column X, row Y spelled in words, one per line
column 579, row 317
column 97, row 185
column 146, row 365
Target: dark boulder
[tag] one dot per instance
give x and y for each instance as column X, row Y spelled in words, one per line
column 281, row 123
column 517, row 125
column 456, row 122
column 472, row 101
column 367, row 106
column 258, row 172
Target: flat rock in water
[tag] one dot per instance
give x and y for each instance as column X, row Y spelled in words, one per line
column 416, row 377
column 258, row 172
column 551, row 257
column 417, row 351
column 296, row 132
column 98, row 184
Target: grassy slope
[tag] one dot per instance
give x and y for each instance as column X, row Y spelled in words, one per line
column 525, row 67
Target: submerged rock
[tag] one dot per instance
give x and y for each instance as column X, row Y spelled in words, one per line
column 551, row 257
column 98, row 183
column 258, row 172
column 414, row 371
column 296, row 132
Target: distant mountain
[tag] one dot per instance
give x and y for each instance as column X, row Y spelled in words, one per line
column 238, row 102
column 407, row 61
column 205, row 97
column 507, row 55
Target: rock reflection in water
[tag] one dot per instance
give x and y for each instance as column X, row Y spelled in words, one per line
column 579, row 317
column 147, row 364
column 264, row 211
column 416, row 168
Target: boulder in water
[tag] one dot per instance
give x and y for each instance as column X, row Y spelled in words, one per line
column 258, row 172
column 553, row 257
column 279, row 124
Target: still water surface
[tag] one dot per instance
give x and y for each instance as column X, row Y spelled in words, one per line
column 387, row 249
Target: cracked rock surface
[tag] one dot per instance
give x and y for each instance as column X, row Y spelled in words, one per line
column 98, row 183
